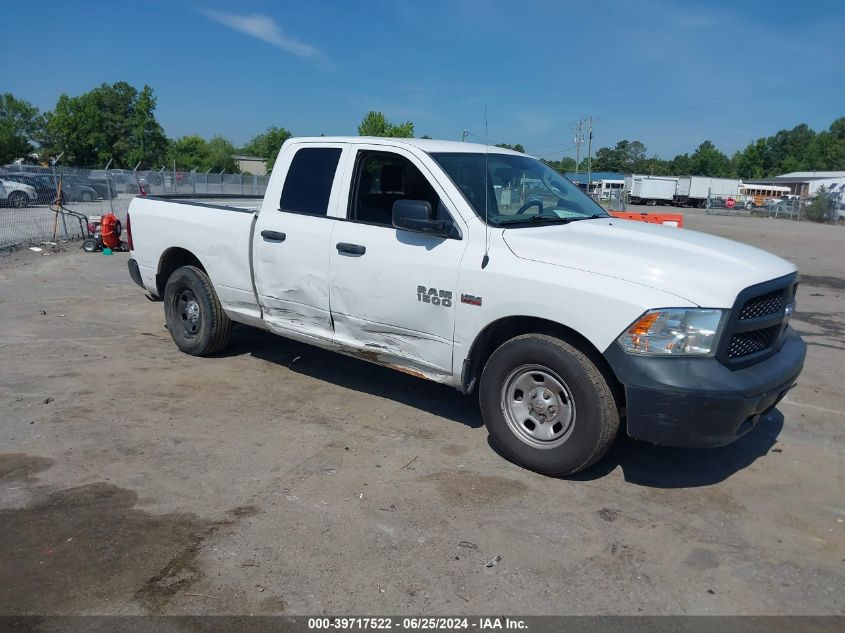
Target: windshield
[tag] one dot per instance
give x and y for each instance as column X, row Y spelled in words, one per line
column 519, row 189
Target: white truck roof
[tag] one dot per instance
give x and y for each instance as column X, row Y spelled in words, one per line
column 425, row 144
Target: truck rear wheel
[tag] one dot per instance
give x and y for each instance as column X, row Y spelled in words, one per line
column 195, row 318
column 547, row 406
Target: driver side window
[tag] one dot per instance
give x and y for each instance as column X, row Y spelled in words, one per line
column 382, row 178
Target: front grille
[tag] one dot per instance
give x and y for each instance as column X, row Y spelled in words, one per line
column 770, row 303
column 758, row 321
column 752, row 342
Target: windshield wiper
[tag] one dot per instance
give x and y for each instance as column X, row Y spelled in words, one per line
column 552, row 219
column 595, row 216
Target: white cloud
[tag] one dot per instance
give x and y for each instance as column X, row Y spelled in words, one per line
column 264, row 28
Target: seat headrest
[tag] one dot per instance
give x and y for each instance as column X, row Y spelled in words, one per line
column 365, row 184
column 391, row 179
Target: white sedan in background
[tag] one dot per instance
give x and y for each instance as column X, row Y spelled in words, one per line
column 16, row 194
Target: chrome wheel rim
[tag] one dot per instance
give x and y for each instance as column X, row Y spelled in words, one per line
column 538, row 406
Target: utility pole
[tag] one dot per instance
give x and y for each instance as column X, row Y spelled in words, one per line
column 590, row 155
column 579, row 138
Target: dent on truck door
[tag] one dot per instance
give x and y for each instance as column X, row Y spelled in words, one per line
column 394, row 292
column 292, row 245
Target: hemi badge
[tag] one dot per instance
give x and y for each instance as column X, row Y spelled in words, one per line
column 471, row 299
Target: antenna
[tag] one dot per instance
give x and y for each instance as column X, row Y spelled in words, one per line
column 486, row 259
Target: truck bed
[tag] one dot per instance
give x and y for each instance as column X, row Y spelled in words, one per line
column 217, row 229
column 224, row 201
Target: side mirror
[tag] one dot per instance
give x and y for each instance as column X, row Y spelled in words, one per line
column 416, row 216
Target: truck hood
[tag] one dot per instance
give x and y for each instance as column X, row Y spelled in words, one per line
column 705, row 270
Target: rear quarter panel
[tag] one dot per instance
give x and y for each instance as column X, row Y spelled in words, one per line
column 219, row 238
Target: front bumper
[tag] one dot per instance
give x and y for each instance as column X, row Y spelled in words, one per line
column 698, row 401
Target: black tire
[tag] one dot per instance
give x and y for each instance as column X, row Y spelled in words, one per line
column 18, row 199
column 595, row 420
column 211, row 330
column 90, row 245
column 86, row 196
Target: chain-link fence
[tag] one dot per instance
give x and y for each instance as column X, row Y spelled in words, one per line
column 28, row 194
column 821, row 209
column 615, row 200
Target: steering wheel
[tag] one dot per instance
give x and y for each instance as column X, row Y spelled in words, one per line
column 529, row 204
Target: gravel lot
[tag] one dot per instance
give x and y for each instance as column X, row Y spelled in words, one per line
column 278, row 478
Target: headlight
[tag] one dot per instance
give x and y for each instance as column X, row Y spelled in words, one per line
column 674, row 331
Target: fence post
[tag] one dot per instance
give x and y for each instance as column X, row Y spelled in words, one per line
column 56, row 185
column 108, row 185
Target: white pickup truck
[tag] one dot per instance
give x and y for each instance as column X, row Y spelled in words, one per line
column 434, row 258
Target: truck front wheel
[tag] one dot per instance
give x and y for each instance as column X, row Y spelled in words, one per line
column 195, row 318
column 546, row 405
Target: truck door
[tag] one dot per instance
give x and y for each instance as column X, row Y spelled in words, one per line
column 393, row 292
column 292, row 242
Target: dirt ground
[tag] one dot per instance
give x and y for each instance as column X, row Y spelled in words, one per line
column 278, row 478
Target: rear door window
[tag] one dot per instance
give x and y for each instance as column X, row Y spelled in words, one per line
column 308, row 184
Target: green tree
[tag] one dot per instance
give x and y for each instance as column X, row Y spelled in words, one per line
column 148, row 143
column 375, row 124
column 564, row 165
column 626, row 157
column 194, row 152
column 606, row 159
column 709, row 161
column 517, row 148
column 819, row 209
column 112, row 121
column 266, row 145
column 220, row 156
column 681, row 165
column 190, row 152
column 752, row 161
column 19, row 121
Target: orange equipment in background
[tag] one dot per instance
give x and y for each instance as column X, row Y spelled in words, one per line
column 666, row 219
column 110, row 231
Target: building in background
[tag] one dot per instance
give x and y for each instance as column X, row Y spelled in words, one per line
column 805, row 184
column 251, row 164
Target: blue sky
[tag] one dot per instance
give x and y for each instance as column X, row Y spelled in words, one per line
column 669, row 73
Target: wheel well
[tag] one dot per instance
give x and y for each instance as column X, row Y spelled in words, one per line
column 501, row 331
column 172, row 259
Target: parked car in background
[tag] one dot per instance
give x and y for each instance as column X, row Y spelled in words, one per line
column 45, row 190
column 74, row 189
column 29, row 169
column 16, row 194
column 784, row 208
column 105, row 187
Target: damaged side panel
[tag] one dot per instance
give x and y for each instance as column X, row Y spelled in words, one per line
column 416, row 353
column 291, row 276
